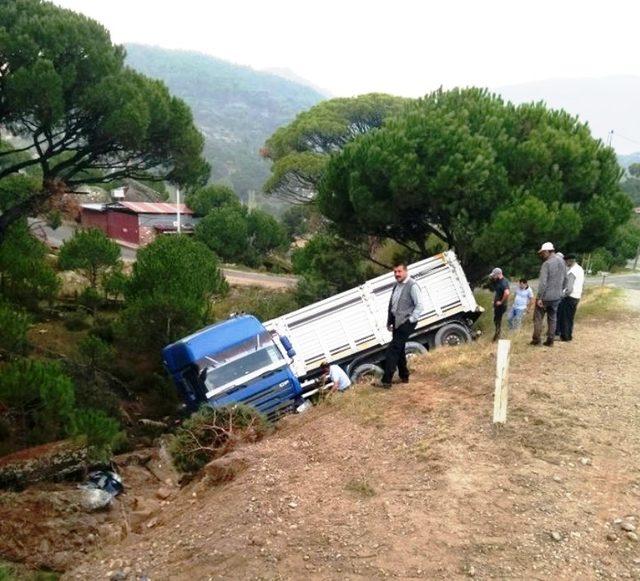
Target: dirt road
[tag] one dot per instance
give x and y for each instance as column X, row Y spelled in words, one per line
column 416, row 483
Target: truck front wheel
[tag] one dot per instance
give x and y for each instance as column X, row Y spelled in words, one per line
column 452, row 335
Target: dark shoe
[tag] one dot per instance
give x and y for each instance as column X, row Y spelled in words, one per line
column 536, row 343
column 405, row 380
column 382, row 385
column 548, row 343
column 565, row 339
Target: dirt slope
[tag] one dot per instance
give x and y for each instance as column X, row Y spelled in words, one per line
column 416, row 483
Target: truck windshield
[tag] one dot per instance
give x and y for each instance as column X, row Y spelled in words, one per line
column 227, row 366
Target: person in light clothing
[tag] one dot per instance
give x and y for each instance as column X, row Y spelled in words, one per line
column 573, row 294
column 336, row 375
column 405, row 307
column 521, row 304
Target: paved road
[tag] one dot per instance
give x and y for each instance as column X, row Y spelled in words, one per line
column 629, row 281
column 55, row 238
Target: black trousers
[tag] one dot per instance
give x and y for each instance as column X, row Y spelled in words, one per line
column 566, row 316
column 498, row 313
column 396, row 356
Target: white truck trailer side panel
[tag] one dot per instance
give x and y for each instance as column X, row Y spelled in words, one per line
column 354, row 321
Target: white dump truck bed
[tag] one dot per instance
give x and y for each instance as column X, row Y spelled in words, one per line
column 342, row 326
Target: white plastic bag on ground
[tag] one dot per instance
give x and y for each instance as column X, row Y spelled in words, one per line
column 94, row 499
column 307, row 405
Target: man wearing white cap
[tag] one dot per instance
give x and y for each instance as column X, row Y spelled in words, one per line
column 551, row 285
column 501, row 290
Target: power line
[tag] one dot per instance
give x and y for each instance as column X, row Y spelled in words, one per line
column 623, row 137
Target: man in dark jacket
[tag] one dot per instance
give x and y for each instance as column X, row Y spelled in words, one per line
column 551, row 285
column 501, row 296
column 405, row 308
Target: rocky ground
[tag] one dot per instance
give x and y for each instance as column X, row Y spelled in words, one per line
column 417, row 482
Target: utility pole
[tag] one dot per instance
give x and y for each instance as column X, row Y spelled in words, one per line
column 610, row 138
column 635, row 262
column 178, row 225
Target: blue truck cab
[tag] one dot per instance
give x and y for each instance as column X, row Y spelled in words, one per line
column 235, row 361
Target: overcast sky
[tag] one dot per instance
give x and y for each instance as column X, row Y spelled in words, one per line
column 403, row 47
column 396, row 46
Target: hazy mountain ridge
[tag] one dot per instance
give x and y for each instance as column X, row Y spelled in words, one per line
column 626, row 160
column 606, row 103
column 236, row 107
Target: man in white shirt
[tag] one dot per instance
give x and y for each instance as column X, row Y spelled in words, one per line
column 336, row 375
column 572, row 296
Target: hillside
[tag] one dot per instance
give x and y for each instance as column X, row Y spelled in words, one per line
column 626, row 160
column 236, row 107
column 607, row 103
column 416, row 483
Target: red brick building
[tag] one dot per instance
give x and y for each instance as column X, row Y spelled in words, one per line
column 137, row 223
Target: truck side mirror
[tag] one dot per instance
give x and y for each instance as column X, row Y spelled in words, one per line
column 287, row 346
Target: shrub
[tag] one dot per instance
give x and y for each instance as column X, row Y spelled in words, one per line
column 225, row 231
column 25, row 276
column 90, row 298
column 95, row 353
column 91, row 252
column 262, row 303
column 5, row 429
column 41, row 396
column 211, row 432
column 114, row 282
column 601, row 260
column 76, row 321
column 160, row 397
column 103, row 329
column 361, row 487
column 101, row 431
column 170, row 292
column 311, row 289
column 328, row 265
column 14, row 324
column 96, row 392
column 211, row 197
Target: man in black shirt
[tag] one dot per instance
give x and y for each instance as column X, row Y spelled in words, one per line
column 501, row 288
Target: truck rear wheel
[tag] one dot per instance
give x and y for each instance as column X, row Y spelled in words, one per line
column 452, row 335
column 413, row 348
column 366, row 373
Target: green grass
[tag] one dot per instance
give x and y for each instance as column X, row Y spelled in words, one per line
column 364, row 404
column 14, row 572
column 601, row 301
column 485, row 299
column 361, row 487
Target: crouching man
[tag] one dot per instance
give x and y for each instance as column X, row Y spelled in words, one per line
column 336, row 375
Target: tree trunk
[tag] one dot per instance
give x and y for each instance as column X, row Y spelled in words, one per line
column 29, row 206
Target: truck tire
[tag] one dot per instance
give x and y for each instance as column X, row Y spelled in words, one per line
column 452, row 335
column 413, row 348
column 366, row 373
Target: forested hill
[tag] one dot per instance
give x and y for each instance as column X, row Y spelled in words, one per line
column 237, row 107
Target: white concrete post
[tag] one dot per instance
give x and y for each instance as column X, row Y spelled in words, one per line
column 501, row 394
